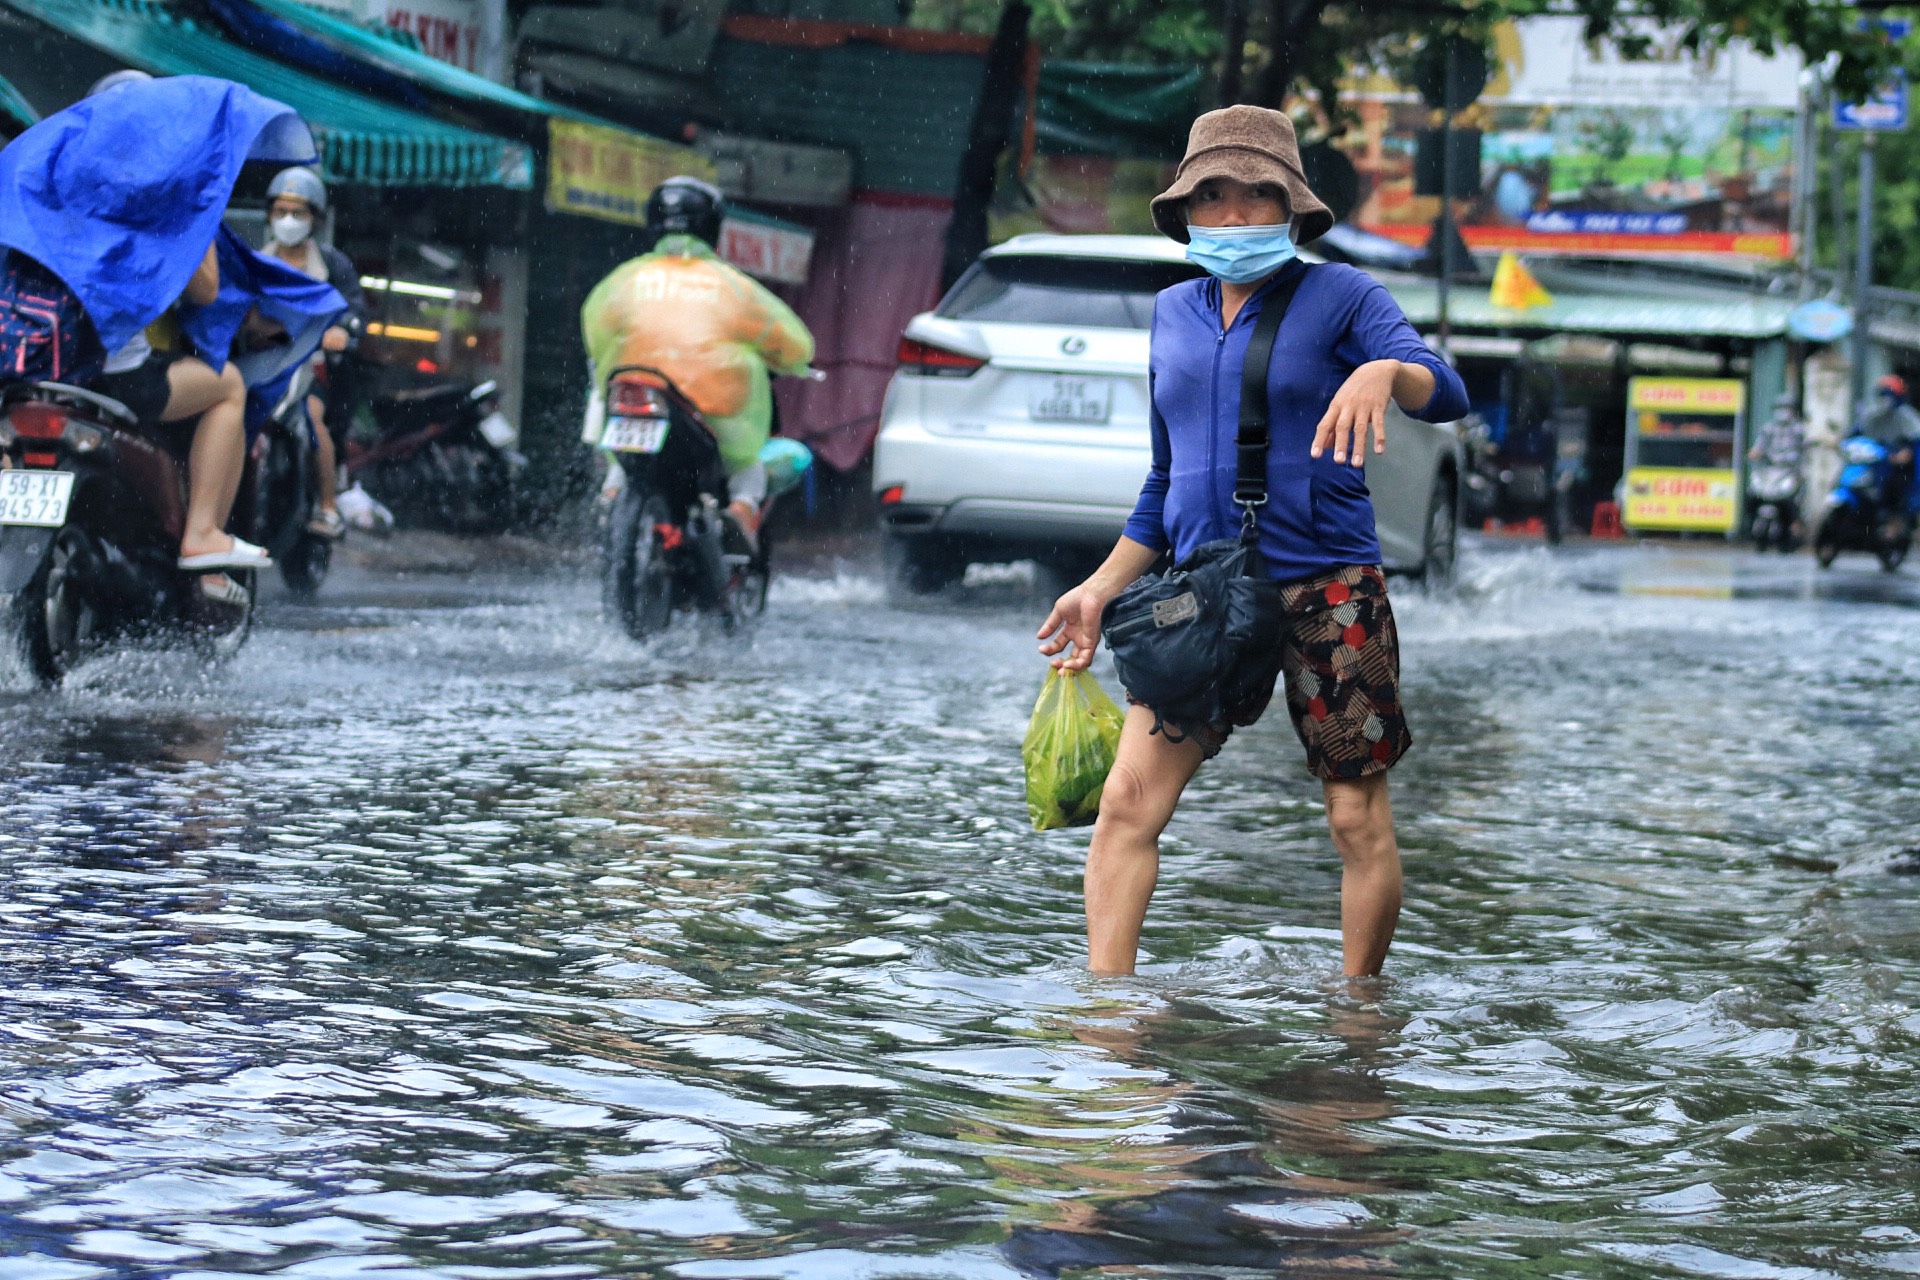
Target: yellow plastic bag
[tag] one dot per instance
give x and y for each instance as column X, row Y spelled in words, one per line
column 1069, row 750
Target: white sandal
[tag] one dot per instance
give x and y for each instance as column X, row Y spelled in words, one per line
column 241, row 555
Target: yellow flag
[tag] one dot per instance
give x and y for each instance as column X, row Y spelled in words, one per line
column 1514, row 286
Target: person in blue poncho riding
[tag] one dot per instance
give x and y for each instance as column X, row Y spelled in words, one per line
column 108, row 213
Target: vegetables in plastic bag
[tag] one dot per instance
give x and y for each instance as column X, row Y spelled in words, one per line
column 1069, row 750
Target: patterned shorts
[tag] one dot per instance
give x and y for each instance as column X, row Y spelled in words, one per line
column 1341, row 657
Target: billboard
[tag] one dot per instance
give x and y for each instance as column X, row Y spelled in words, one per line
column 1584, row 151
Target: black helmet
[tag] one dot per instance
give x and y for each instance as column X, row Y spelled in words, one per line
column 686, row 206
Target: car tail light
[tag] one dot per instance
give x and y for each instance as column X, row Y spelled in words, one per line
column 939, row 362
column 893, row 495
column 634, row 399
column 36, row 421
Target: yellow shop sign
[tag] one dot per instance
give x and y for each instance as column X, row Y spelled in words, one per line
column 602, row 172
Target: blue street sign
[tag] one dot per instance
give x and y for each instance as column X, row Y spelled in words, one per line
column 1887, row 108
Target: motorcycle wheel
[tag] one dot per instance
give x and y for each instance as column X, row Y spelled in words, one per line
column 636, row 585
column 220, row 630
column 1763, row 533
column 56, row 624
column 1893, row 551
column 304, row 567
column 1826, row 541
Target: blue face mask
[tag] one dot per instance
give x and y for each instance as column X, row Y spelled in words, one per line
column 1240, row 255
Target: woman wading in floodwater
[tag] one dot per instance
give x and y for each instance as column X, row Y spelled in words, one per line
column 1344, row 349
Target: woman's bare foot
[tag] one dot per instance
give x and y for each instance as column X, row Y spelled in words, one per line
column 205, row 543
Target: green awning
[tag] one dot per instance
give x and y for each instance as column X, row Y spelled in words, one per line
column 15, row 108
column 394, row 55
column 361, row 140
column 1730, row 315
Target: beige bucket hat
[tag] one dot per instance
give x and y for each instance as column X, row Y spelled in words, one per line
column 1248, row 144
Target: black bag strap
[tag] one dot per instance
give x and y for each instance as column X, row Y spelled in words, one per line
column 1250, row 485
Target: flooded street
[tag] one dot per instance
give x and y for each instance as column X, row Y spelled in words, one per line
column 449, row 934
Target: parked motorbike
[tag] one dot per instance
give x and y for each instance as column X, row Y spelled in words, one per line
column 1858, row 518
column 1773, row 495
column 91, row 512
column 446, row 458
column 669, row 544
column 281, row 495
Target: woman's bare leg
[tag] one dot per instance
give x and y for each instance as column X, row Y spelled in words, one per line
column 326, row 477
column 219, row 452
column 1360, row 818
column 1123, row 860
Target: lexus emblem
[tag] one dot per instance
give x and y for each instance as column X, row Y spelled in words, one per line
column 1073, row 346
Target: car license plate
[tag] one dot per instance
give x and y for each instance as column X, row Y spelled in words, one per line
column 635, row 435
column 1070, row 398
column 35, row 497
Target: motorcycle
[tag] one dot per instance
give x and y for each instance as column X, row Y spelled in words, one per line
column 445, row 458
column 1856, row 518
column 91, row 512
column 1773, row 495
column 281, row 496
column 669, row 544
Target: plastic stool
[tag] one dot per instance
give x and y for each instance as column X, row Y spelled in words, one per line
column 1606, row 520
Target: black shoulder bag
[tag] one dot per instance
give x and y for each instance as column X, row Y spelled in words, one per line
column 1180, row 639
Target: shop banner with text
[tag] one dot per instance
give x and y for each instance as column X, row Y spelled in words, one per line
column 599, row 172
column 1684, row 441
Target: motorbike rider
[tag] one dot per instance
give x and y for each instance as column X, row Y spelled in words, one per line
column 706, row 325
column 297, row 199
column 1781, row 442
column 1782, row 438
column 164, row 384
column 1894, row 423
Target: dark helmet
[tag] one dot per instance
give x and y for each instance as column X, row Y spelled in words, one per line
column 686, row 206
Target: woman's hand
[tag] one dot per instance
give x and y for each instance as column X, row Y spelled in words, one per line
column 1359, row 408
column 334, row 339
column 1075, row 620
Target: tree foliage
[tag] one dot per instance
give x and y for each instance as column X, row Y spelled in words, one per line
column 1292, row 44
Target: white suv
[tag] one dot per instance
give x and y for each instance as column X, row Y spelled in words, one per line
column 1016, row 424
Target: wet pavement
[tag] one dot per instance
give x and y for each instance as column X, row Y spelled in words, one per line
column 448, row 934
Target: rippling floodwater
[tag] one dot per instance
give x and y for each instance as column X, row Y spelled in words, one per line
column 451, row 936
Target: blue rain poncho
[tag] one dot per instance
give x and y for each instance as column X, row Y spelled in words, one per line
column 120, row 194
column 299, row 303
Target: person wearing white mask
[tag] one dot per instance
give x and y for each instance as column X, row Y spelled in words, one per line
column 297, row 199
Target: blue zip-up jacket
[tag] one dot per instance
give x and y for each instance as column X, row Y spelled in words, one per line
column 1318, row 514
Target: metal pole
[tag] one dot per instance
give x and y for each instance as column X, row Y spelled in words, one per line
column 1806, row 172
column 1863, row 270
column 1446, row 202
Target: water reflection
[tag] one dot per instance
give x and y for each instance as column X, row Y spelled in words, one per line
column 471, row 940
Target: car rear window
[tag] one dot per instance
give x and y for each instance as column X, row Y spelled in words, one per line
column 1101, row 293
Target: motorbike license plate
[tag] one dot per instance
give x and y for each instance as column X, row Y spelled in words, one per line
column 35, row 497
column 635, row 435
column 498, row 430
column 1070, row 398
